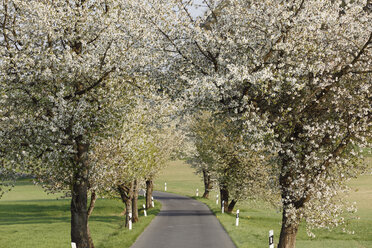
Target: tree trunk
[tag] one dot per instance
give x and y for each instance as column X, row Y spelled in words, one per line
column 128, row 210
column 224, row 192
column 135, row 202
column 126, row 194
column 288, row 233
column 79, row 197
column 207, row 183
column 90, row 240
column 93, row 198
column 231, row 206
column 289, row 228
column 149, row 189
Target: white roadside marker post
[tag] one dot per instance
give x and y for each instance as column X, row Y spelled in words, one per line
column 152, row 202
column 165, row 186
column 217, row 199
column 73, row 245
column 271, row 239
column 130, row 221
column 197, row 192
column 223, row 207
column 237, row 218
column 144, row 210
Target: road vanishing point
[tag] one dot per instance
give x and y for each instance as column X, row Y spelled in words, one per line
column 183, row 223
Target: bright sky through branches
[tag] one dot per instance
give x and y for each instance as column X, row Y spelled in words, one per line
column 198, row 8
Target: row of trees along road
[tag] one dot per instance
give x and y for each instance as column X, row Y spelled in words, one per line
column 297, row 74
column 222, row 157
column 292, row 78
column 138, row 147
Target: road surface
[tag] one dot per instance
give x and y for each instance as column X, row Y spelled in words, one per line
column 183, row 223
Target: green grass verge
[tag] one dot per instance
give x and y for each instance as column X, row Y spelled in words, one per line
column 257, row 218
column 31, row 218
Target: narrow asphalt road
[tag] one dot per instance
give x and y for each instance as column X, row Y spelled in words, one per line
column 183, row 223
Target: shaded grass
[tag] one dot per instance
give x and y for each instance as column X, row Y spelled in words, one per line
column 31, row 218
column 257, row 218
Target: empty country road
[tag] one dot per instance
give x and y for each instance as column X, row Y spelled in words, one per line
column 183, row 223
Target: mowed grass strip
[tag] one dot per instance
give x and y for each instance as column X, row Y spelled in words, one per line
column 257, row 218
column 31, row 218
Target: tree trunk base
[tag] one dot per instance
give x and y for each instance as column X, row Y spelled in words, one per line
column 224, row 192
column 231, row 206
column 135, row 202
column 288, row 233
column 149, row 189
column 79, row 216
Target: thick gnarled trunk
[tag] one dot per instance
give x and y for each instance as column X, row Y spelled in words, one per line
column 128, row 211
column 288, row 233
column 289, row 228
column 207, row 184
column 79, row 217
column 224, row 197
column 149, row 189
column 135, row 202
column 79, row 195
column 231, row 206
column 126, row 194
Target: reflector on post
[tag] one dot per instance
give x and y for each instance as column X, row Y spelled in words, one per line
column 271, row 239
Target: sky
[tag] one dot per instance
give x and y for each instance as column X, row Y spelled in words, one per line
column 197, row 11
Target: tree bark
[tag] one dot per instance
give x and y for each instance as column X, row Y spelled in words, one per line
column 224, row 192
column 135, row 202
column 79, row 197
column 288, row 233
column 207, row 183
column 289, row 228
column 93, row 198
column 231, row 205
column 126, row 194
column 149, row 189
column 128, row 204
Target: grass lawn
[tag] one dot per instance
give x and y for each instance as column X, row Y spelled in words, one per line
column 256, row 219
column 31, row 218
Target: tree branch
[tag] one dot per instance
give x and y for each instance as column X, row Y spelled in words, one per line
column 98, row 82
